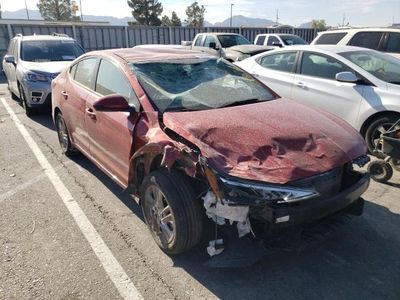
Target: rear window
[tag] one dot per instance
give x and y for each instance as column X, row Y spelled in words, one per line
column 330, row 38
column 260, row 40
column 50, row 50
column 366, row 40
column 85, row 70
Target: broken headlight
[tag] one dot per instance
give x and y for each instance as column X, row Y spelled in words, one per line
column 264, row 192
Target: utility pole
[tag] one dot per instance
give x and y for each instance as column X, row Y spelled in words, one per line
column 27, row 12
column 277, row 18
column 80, row 9
column 231, row 15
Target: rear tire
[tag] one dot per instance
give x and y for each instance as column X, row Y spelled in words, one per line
column 372, row 134
column 171, row 211
column 63, row 136
column 380, row 170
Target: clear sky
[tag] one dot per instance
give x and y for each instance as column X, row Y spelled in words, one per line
column 293, row 12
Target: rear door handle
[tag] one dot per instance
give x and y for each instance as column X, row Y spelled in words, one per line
column 64, row 94
column 301, row 84
column 91, row 113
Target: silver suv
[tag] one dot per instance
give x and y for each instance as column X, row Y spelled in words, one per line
column 32, row 62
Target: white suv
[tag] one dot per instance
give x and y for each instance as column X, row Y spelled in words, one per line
column 381, row 39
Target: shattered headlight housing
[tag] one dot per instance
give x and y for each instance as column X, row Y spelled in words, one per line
column 265, row 192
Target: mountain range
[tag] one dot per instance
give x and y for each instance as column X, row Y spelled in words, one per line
column 237, row 21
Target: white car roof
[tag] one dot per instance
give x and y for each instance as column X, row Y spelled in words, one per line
column 323, row 48
column 44, row 38
column 354, row 30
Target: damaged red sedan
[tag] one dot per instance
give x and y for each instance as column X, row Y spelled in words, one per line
column 193, row 135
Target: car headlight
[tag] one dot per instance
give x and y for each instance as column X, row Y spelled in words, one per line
column 243, row 56
column 265, row 192
column 34, row 77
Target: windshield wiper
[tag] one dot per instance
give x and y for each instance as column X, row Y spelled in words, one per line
column 242, row 102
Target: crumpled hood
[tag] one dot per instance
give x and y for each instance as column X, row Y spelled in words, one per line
column 250, row 49
column 276, row 141
column 51, row 67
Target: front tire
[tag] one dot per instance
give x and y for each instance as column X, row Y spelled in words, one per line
column 374, row 130
column 171, row 211
column 29, row 111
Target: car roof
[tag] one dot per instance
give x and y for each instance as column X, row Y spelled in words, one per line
column 321, row 48
column 43, row 37
column 152, row 54
column 219, row 33
column 354, row 30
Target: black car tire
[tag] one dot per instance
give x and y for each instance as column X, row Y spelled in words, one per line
column 29, row 111
column 380, row 170
column 177, row 203
column 63, row 136
column 372, row 133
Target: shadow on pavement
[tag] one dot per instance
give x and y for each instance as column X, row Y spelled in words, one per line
column 359, row 260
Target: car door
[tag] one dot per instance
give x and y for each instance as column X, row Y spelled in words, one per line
column 315, row 84
column 277, row 71
column 205, row 47
column 81, row 80
column 111, row 132
column 12, row 68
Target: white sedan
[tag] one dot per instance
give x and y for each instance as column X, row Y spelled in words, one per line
column 359, row 85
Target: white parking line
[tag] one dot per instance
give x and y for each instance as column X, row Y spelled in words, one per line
column 110, row 264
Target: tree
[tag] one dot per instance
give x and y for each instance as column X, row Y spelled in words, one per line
column 165, row 21
column 195, row 15
column 318, row 24
column 146, row 12
column 0, row 10
column 55, row 10
column 175, row 21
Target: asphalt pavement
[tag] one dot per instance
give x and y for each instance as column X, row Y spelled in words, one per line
column 45, row 253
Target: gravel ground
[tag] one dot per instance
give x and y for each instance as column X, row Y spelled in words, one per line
column 44, row 255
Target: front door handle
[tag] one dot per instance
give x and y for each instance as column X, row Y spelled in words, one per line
column 64, row 94
column 91, row 113
column 301, row 85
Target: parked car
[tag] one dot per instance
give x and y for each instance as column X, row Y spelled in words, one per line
column 278, row 40
column 231, row 46
column 31, row 62
column 357, row 84
column 191, row 134
column 381, row 39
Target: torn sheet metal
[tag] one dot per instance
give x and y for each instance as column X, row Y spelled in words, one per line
column 263, row 142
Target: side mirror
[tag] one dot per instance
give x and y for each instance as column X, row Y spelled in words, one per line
column 112, row 102
column 346, row 77
column 213, row 45
column 277, row 44
column 9, row 59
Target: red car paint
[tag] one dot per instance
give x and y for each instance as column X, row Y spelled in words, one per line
column 275, row 141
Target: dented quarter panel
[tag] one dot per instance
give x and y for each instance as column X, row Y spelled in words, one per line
column 276, row 141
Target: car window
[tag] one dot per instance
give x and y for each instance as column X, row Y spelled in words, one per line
column 85, row 72
column 393, row 44
column 198, row 84
column 366, row 39
column 198, row 40
column 50, row 50
column 272, row 39
column 319, row 65
column 110, row 80
column 260, row 40
column 209, row 39
column 280, row 62
column 330, row 38
column 290, row 40
column 381, row 65
column 229, row 40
